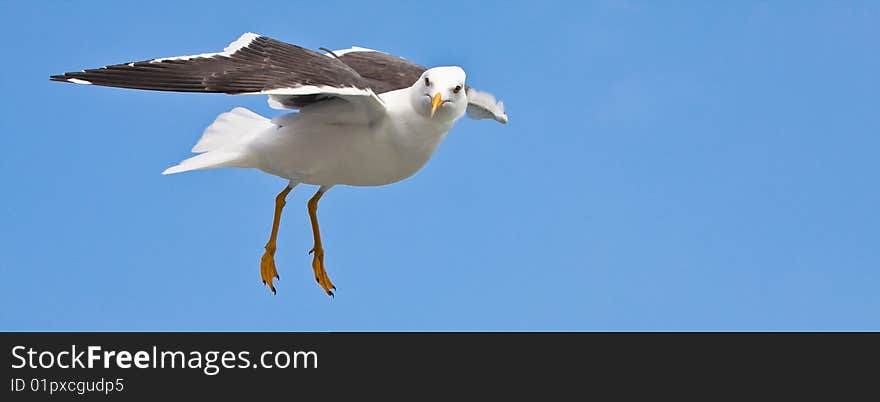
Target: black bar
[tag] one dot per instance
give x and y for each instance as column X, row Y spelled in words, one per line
column 426, row 361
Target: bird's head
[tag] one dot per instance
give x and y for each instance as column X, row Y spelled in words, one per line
column 439, row 94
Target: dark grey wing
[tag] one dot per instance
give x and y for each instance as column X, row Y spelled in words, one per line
column 385, row 72
column 293, row 76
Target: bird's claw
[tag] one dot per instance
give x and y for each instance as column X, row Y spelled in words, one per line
column 320, row 272
column 268, row 272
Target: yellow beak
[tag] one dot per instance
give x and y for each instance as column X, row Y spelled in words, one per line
column 436, row 101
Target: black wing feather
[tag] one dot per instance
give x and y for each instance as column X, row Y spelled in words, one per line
column 382, row 71
column 263, row 64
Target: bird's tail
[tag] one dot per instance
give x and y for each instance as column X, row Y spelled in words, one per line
column 223, row 142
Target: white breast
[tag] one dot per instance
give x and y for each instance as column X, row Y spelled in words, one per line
column 310, row 149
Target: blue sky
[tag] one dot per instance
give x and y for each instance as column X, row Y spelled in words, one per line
column 687, row 166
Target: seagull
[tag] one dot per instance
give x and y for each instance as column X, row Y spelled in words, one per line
column 361, row 117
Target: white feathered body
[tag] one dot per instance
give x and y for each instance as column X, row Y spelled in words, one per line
column 325, row 144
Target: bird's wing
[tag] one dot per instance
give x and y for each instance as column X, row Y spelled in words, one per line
column 483, row 105
column 292, row 76
column 385, row 72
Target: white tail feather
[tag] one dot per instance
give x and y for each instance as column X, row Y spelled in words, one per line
column 207, row 160
column 223, row 142
column 229, row 128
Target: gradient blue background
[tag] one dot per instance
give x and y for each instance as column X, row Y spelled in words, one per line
column 687, row 166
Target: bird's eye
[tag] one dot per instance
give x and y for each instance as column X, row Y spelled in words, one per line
column 456, row 89
column 427, row 82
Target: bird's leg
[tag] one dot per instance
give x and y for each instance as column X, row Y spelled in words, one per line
column 267, row 262
column 318, row 249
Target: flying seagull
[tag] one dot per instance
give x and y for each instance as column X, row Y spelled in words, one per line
column 365, row 118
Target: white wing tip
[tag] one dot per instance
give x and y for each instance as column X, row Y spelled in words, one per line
column 242, row 41
column 79, row 81
column 486, row 106
column 353, row 49
column 501, row 118
column 501, row 115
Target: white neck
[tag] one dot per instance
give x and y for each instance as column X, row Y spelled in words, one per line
column 414, row 135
